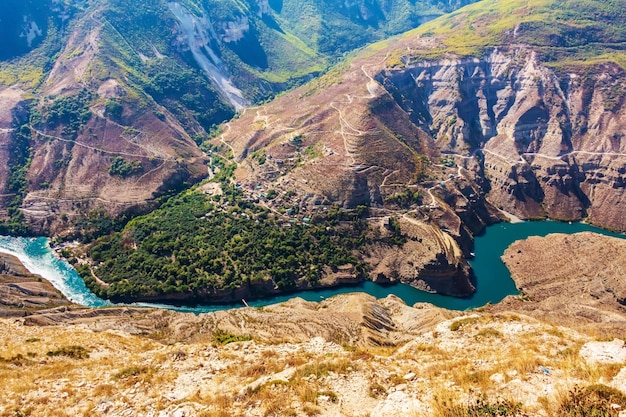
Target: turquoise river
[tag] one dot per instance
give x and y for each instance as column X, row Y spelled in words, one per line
column 493, row 281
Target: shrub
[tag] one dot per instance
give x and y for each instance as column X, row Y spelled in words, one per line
column 481, row 407
column 113, row 109
column 74, row 352
column 223, row 338
column 592, row 401
column 122, row 168
column 456, row 325
column 132, row 372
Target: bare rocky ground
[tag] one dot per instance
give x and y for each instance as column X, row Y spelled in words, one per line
column 94, row 367
column 575, row 280
column 21, row 292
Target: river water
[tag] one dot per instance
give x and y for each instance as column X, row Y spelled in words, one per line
column 493, row 281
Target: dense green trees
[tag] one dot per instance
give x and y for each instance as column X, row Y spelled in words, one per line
column 72, row 112
column 123, row 168
column 20, row 155
column 196, row 243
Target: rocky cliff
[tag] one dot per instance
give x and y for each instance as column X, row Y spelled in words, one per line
column 446, row 125
column 549, row 142
column 448, row 121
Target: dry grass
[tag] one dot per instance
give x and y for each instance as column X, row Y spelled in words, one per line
column 460, row 323
column 221, row 406
column 485, row 358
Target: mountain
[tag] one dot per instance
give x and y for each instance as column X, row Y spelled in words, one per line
column 530, row 119
column 26, row 24
column 386, row 166
column 105, row 103
column 383, row 168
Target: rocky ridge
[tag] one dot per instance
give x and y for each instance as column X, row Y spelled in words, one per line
column 22, row 293
column 531, row 141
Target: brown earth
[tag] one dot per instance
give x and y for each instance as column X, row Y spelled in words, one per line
column 575, row 280
column 69, row 177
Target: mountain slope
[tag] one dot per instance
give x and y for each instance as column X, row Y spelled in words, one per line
column 385, row 167
column 303, row 358
column 533, row 120
column 106, row 102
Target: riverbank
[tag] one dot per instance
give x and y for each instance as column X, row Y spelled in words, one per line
column 22, row 292
column 493, row 280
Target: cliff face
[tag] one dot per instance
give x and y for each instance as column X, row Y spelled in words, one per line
column 443, row 140
column 550, row 143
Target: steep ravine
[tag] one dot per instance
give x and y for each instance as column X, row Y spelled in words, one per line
column 197, row 34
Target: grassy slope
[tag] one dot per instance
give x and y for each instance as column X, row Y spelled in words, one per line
column 565, row 32
column 478, row 365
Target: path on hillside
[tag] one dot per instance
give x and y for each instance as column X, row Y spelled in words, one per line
column 371, row 87
column 97, row 149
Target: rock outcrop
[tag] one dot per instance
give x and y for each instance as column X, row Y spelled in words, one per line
column 430, row 260
column 22, row 293
column 550, row 143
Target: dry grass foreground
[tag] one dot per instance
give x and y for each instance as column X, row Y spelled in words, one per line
column 478, row 364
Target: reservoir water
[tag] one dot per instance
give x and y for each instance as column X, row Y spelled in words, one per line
column 493, row 281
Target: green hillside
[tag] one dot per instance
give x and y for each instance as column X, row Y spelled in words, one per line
column 564, row 32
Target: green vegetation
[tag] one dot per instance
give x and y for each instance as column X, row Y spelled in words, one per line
column 123, row 168
column 71, row 112
column 480, row 407
column 185, row 92
column 405, row 199
column 457, row 324
column 96, row 223
column 259, row 156
column 571, row 32
column 223, row 338
column 132, row 372
column 74, row 352
column 113, row 109
column 20, row 156
column 207, row 247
